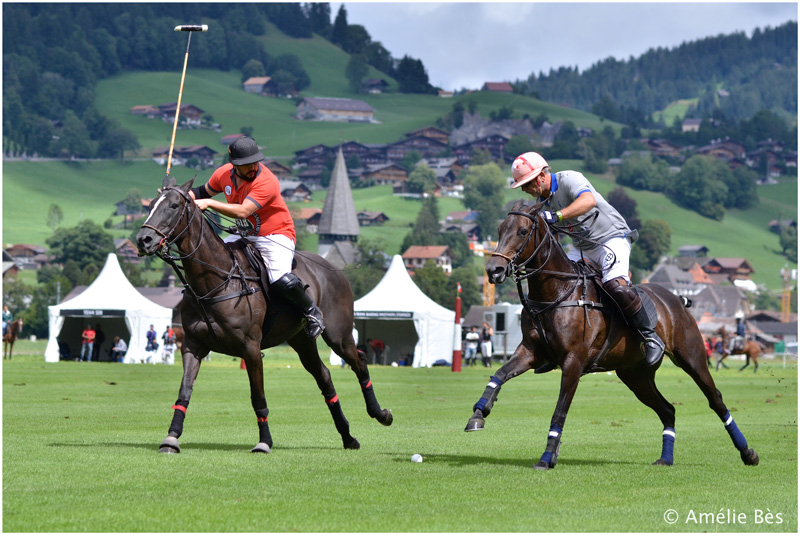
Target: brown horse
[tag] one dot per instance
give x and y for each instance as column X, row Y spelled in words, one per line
column 751, row 350
column 10, row 336
column 225, row 310
column 568, row 322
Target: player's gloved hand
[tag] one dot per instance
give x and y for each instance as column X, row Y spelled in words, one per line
column 551, row 217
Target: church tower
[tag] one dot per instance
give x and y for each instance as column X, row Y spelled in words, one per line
column 338, row 223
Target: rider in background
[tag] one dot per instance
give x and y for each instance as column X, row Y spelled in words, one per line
column 254, row 199
column 600, row 234
column 8, row 317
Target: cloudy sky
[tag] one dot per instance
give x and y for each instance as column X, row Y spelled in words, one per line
column 463, row 45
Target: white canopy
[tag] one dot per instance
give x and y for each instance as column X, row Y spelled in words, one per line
column 113, row 301
column 406, row 320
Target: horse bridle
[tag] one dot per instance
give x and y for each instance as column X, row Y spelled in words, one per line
column 166, row 238
column 519, row 269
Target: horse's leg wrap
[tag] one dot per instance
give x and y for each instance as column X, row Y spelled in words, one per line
column 341, row 423
column 489, row 396
column 263, row 427
column 176, row 427
column 373, row 407
column 733, row 430
column 667, row 444
column 550, row 455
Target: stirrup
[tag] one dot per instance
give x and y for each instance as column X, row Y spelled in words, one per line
column 314, row 322
column 649, row 347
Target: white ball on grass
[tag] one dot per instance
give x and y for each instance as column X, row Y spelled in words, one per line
column 417, row 458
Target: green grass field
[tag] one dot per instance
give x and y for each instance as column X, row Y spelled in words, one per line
column 80, row 453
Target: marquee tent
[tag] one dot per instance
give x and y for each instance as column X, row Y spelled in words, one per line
column 410, row 323
column 112, row 301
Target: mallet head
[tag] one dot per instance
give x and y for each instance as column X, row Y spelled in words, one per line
column 192, row 28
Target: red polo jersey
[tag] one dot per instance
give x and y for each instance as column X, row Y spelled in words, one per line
column 264, row 191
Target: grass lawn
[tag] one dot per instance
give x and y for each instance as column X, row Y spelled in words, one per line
column 80, row 452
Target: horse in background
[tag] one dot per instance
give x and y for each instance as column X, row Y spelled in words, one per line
column 10, row 336
column 751, row 350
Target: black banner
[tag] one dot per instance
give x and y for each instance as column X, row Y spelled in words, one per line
column 383, row 315
column 92, row 313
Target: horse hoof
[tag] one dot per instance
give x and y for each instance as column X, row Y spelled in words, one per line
column 169, row 445
column 352, row 444
column 750, row 457
column 542, row 465
column 387, row 418
column 261, row 447
column 661, row 462
column 475, row 424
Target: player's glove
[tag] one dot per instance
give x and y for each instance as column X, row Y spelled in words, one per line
column 551, row 217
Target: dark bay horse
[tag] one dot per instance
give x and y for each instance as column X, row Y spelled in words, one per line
column 225, row 310
column 14, row 329
column 567, row 322
column 751, row 350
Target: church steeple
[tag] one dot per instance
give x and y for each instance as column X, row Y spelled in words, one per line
column 338, row 221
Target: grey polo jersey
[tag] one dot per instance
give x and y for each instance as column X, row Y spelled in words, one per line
column 599, row 224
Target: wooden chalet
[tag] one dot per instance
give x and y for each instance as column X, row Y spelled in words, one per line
column 691, row 125
column 147, row 110
column 371, row 219
column 307, row 217
column 431, row 132
column 278, row 169
column 374, row 86
column 190, row 113
column 27, row 256
column 426, row 147
column 122, row 208
column 183, row 155
column 391, row 174
column 230, row 138
column 494, row 143
column 259, row 85
column 334, row 109
column 731, row 268
column 127, row 251
column 693, row 251
column 416, row 256
column 294, row 191
column 497, row 87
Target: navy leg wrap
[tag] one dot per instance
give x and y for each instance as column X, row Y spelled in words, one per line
column 550, row 455
column 667, row 444
column 373, row 407
column 176, row 427
column 339, row 420
column 733, row 430
column 489, row 396
column 263, row 427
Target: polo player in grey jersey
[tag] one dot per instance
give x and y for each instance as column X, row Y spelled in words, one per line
column 601, row 235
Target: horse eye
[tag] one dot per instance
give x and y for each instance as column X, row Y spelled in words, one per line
column 173, row 205
column 522, row 231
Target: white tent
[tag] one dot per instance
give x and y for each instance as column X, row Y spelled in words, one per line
column 113, row 301
column 406, row 320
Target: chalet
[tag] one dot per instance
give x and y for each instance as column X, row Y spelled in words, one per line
column 676, row 280
column 663, row 148
column 307, row 217
column 146, row 110
column 350, row 148
column 426, row 147
column 777, row 225
column 498, row 87
column 691, row 125
column 494, row 143
column 693, row 251
column 278, row 169
column 123, row 209
column 371, row 219
column 230, row 138
column 731, row 268
column 312, row 178
column 445, row 94
column 315, row 156
column 374, row 86
column 335, row 109
column 471, row 230
column 126, row 250
column 727, row 150
column 184, row 155
column 27, row 256
column 190, row 114
column 447, row 170
column 431, row 132
column 391, row 174
column 10, row 268
column 257, row 85
column 416, row 256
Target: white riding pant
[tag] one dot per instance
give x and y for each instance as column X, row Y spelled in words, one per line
column 613, row 258
column 277, row 251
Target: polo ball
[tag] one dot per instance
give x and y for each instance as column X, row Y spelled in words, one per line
column 417, row 458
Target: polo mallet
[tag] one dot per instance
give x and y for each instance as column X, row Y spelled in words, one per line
column 184, row 28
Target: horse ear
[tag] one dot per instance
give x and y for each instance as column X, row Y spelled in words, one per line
column 188, row 185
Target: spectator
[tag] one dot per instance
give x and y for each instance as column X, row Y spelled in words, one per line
column 87, row 343
column 170, row 344
column 471, row 346
column 99, row 338
column 119, row 350
column 377, row 347
column 152, row 345
column 486, row 344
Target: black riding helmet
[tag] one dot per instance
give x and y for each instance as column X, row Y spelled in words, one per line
column 244, row 151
